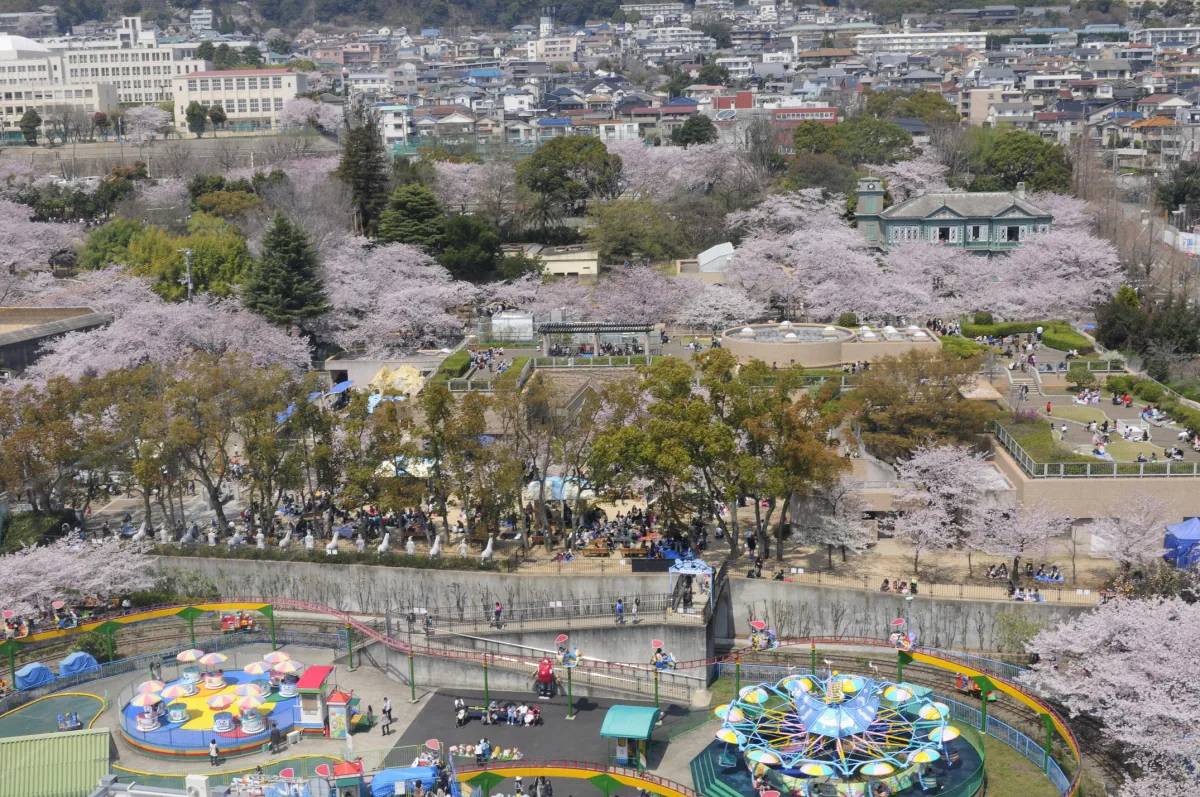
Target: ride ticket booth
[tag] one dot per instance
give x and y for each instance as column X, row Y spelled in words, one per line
column 630, row 728
column 314, row 687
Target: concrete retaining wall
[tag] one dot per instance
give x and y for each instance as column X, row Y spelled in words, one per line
column 626, row 643
column 793, row 610
column 798, row 611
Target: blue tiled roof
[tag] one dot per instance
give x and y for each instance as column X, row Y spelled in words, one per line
column 554, row 121
column 485, row 73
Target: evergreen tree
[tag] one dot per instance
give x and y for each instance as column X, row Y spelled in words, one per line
column 413, row 216
column 285, row 287
column 197, row 117
column 364, row 167
column 206, row 51
column 29, row 124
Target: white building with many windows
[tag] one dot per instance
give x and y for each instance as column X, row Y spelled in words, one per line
column 31, row 77
column 135, row 63
column 919, row 42
column 251, row 98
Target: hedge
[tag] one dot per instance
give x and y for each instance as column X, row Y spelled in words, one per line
column 297, row 553
column 965, row 348
column 453, row 366
column 1055, row 334
column 1152, row 392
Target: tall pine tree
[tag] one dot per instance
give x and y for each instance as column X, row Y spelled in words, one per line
column 413, row 216
column 285, row 287
column 364, row 166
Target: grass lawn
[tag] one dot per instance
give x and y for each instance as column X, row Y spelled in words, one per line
column 1079, row 413
column 1039, row 444
column 1011, row 774
column 1127, row 451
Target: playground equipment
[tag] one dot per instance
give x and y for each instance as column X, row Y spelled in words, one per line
column 761, row 636
column 847, row 731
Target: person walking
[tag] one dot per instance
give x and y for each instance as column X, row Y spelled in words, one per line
column 214, row 754
column 387, row 708
column 619, row 609
column 637, row 604
column 498, row 613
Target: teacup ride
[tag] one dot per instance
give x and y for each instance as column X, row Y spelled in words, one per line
column 189, row 667
column 177, row 713
column 252, row 720
column 222, row 719
column 211, row 674
column 147, row 719
column 288, row 672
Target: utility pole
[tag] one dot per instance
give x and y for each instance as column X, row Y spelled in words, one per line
column 187, row 279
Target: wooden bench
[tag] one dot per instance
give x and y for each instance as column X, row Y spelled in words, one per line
column 592, row 551
column 635, row 552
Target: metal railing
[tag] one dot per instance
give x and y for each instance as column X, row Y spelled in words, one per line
column 488, row 384
column 519, row 615
column 959, row 712
column 1091, row 470
column 603, row 361
column 976, row 592
column 167, row 658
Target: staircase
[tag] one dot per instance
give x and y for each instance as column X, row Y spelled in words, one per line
column 1020, row 379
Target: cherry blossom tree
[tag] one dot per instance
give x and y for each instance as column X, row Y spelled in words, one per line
column 715, row 307
column 154, row 331
column 664, row 173
column 636, row 295
column 68, row 569
column 924, row 278
column 301, row 112
column 143, row 123
column 913, row 177
column 27, row 245
column 389, row 298
column 833, row 517
column 1069, row 212
column 1133, row 532
column 1057, row 274
column 1011, row 529
column 942, row 494
column 1132, row 665
column 535, row 295
column 784, row 213
column 312, row 198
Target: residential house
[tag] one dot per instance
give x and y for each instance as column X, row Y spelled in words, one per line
column 980, row 221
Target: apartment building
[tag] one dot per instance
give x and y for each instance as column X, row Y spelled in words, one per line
column 201, row 20
column 251, row 98
column 29, row 23
column 556, row 49
column 1159, row 37
column 926, row 41
column 394, row 123
column 667, row 12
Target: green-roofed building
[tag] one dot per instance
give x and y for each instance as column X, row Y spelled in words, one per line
column 66, row 764
column 631, row 727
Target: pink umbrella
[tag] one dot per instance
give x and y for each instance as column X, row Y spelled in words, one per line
column 151, row 686
column 219, row 702
column 898, row 622
column 276, row 656
column 433, row 744
column 561, row 639
column 257, row 668
column 656, row 643
column 758, row 625
column 57, row 604
column 248, row 690
column 175, row 691
column 8, row 614
column 289, row 667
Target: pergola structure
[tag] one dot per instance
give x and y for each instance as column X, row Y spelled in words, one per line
column 593, row 332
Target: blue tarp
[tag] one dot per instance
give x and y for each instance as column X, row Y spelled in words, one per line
column 340, row 387
column 1182, row 543
column 385, row 780
column 76, row 663
column 33, row 675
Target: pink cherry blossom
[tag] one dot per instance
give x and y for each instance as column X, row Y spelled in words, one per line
column 389, row 298
column 1132, row 665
